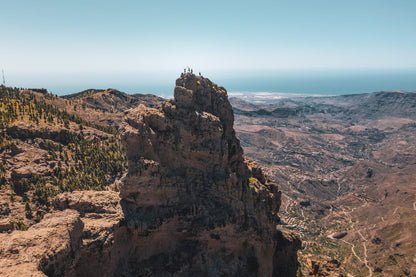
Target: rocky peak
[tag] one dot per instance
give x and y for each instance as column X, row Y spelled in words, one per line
column 188, row 176
column 200, row 94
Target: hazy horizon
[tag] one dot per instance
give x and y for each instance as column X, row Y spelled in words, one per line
column 317, row 82
column 143, row 46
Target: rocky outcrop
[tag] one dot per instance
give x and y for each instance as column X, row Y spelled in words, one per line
column 202, row 208
column 105, row 241
column 330, row 268
column 191, row 204
column 86, row 238
column 47, row 245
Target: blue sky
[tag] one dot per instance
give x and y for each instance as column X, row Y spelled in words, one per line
column 153, row 40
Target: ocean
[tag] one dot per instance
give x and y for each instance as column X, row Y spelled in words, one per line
column 273, row 83
column 324, row 82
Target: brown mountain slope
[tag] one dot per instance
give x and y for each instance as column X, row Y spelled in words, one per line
column 112, row 100
column 45, row 150
column 107, row 106
column 346, row 165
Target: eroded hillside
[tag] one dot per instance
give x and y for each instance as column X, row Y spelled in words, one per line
column 46, row 150
column 346, row 166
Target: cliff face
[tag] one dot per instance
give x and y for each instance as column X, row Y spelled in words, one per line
column 45, row 245
column 190, row 189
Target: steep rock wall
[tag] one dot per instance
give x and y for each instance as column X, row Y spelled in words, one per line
column 190, row 188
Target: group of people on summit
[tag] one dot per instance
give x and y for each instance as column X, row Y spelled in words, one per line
column 189, row 70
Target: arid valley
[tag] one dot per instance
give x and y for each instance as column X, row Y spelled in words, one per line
column 347, row 169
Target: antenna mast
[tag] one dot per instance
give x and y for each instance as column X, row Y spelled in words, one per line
column 4, row 80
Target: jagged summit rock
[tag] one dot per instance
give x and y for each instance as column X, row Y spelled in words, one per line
column 188, row 176
column 199, row 93
column 188, row 143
